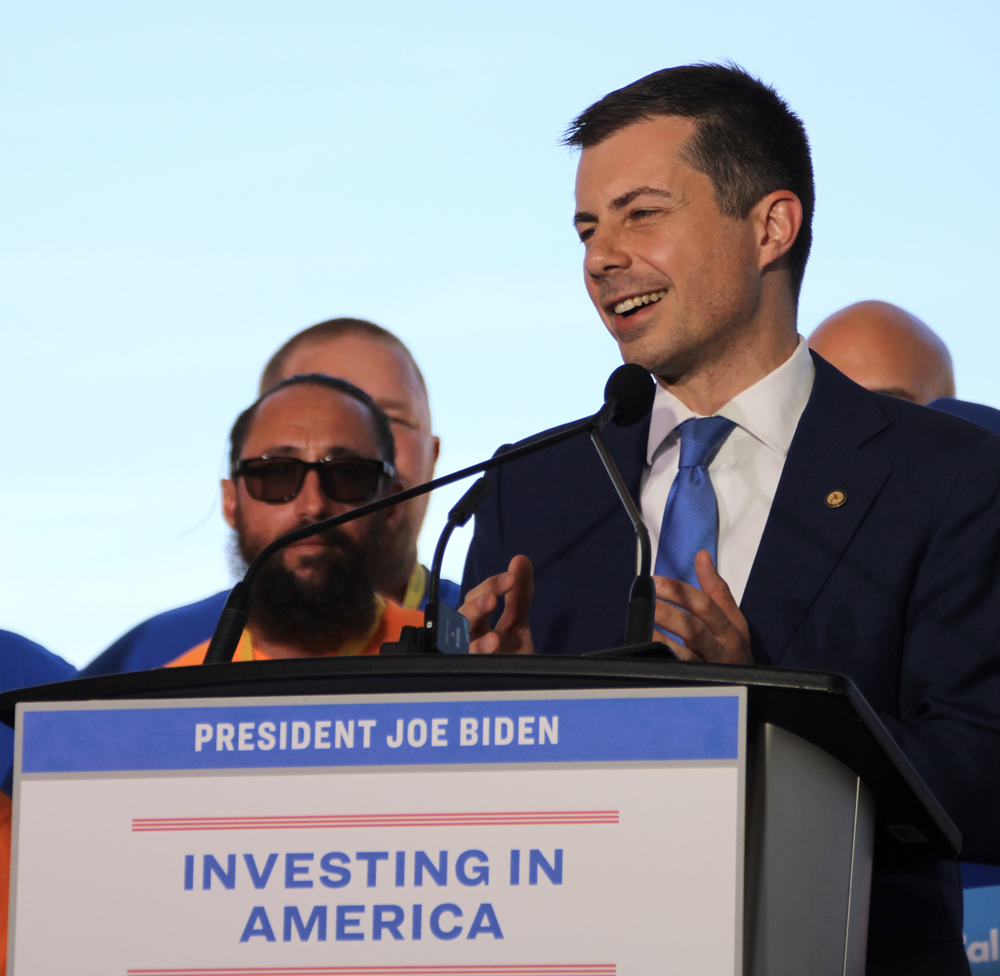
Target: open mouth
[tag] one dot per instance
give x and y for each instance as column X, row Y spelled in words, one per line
column 632, row 305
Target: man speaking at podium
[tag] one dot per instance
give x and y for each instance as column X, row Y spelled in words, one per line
column 797, row 519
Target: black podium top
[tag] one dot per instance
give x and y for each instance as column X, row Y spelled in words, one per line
column 825, row 709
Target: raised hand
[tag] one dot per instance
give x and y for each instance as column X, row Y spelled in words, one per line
column 712, row 628
column 513, row 631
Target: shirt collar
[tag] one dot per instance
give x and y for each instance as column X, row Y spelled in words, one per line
column 769, row 410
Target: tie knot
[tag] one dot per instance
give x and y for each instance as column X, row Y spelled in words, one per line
column 700, row 438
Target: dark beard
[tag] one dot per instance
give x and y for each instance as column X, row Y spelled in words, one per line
column 320, row 613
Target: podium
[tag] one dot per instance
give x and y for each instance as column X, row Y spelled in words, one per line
column 618, row 813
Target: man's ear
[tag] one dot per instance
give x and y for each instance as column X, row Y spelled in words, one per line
column 229, row 501
column 437, row 450
column 777, row 220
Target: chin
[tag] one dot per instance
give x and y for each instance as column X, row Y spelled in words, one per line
column 642, row 349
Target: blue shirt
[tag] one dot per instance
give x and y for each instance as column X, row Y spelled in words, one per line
column 24, row 663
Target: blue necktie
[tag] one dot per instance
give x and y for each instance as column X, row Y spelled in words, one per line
column 691, row 515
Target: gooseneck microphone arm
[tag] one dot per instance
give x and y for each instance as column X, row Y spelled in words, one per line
column 643, row 547
column 642, row 596
column 457, row 517
column 234, row 615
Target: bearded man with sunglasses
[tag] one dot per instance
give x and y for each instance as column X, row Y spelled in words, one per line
column 310, row 448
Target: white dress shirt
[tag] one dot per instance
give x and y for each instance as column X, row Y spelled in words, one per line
column 745, row 471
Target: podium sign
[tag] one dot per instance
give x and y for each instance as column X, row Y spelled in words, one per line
column 515, row 833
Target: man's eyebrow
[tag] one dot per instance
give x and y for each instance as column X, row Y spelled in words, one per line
column 294, row 451
column 641, row 191
column 586, row 217
column 281, row 450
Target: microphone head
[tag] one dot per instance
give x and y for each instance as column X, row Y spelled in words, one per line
column 635, row 389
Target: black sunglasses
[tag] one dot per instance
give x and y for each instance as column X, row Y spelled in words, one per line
column 277, row 480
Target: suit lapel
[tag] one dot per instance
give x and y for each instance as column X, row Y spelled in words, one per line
column 805, row 536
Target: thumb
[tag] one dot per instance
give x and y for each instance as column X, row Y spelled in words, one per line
column 518, row 600
column 713, row 584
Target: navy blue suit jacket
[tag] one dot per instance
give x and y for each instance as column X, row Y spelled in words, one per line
column 899, row 588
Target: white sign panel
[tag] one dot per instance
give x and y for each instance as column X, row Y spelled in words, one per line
column 508, row 834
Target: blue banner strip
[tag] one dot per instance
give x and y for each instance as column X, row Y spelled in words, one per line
column 382, row 734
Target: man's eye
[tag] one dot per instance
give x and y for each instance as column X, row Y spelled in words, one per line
column 586, row 235
column 643, row 213
column 402, row 422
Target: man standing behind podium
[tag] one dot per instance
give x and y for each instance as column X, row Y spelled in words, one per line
column 797, row 519
column 310, row 448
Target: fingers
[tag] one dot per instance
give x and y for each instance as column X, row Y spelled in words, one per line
column 707, row 620
column 521, row 576
column 698, row 640
column 513, row 631
column 697, row 603
column 717, row 588
column 496, row 586
column 477, row 611
column 713, row 584
column 482, row 600
column 489, row 643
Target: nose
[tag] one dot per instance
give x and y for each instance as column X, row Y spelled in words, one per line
column 311, row 504
column 605, row 253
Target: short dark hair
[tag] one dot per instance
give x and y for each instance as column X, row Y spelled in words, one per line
column 383, row 432
column 747, row 140
column 334, row 329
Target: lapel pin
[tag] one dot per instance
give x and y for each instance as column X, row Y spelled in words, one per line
column 836, row 498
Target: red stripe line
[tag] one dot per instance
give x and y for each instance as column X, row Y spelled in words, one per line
column 544, row 969
column 386, row 816
column 313, row 821
column 469, row 813
column 463, row 813
column 333, row 818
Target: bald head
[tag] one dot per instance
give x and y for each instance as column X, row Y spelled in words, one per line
column 886, row 349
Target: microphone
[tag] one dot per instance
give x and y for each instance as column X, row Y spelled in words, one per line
column 628, row 398
column 634, row 391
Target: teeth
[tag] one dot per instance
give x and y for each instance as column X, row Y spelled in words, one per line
column 635, row 302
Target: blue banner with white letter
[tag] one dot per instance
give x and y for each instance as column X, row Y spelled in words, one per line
column 370, row 733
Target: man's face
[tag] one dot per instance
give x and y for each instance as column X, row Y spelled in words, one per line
column 311, row 423
column 672, row 278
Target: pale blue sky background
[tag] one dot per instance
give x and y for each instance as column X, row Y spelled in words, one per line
column 186, row 184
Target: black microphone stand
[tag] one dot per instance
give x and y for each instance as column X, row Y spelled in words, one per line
column 642, row 596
